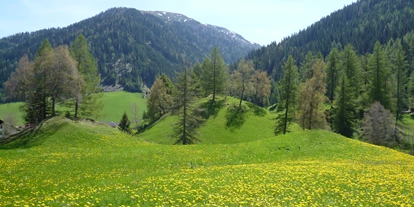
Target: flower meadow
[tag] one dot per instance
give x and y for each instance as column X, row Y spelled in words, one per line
column 82, row 164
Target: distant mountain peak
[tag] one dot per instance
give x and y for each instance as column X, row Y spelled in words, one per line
column 170, row 17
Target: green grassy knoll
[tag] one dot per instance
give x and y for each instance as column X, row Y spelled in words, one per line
column 115, row 103
column 223, row 124
column 87, row 164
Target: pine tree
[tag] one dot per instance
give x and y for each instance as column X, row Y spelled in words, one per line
column 379, row 87
column 214, row 74
column 124, row 124
column 311, row 99
column 185, row 94
column 332, row 73
column 344, row 108
column 288, row 88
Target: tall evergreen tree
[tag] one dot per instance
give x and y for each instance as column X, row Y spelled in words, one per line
column 214, row 74
column 185, row 93
column 288, row 88
column 86, row 65
column 350, row 65
column 380, row 84
column 332, row 73
column 400, row 70
column 344, row 108
column 124, row 124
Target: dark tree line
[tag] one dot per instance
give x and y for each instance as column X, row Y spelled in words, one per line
column 360, row 24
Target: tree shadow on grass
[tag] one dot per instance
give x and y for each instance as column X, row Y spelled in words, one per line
column 257, row 110
column 210, row 108
column 31, row 137
column 235, row 117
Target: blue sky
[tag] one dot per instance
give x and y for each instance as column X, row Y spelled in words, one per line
column 260, row 21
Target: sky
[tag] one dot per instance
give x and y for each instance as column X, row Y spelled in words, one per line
column 259, row 21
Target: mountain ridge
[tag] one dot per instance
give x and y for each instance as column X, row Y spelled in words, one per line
column 131, row 47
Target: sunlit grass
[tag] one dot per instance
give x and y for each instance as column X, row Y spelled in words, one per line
column 85, row 164
column 115, row 103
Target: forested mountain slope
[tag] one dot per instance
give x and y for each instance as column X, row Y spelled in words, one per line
column 130, row 46
column 360, row 24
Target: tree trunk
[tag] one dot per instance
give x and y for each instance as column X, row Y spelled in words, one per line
column 53, row 106
column 76, row 108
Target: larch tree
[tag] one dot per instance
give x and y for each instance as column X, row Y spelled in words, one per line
column 65, row 81
column 86, row 104
column 344, row 117
column 305, row 70
column 21, row 82
column 261, row 88
column 185, row 94
column 311, row 98
column 159, row 100
column 332, row 71
column 379, row 88
column 288, row 88
column 214, row 75
column 241, row 80
column 43, row 66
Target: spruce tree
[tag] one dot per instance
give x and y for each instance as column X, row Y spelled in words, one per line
column 332, row 73
column 400, row 70
column 288, row 88
column 379, row 87
column 350, row 65
column 185, row 94
column 124, row 124
column 344, row 108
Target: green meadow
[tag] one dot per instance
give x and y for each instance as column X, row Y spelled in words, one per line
column 242, row 163
column 114, row 105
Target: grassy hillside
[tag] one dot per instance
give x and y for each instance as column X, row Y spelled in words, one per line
column 223, row 125
column 69, row 163
column 115, row 103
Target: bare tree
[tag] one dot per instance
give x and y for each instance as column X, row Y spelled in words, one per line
column 135, row 116
column 379, row 126
column 9, row 125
